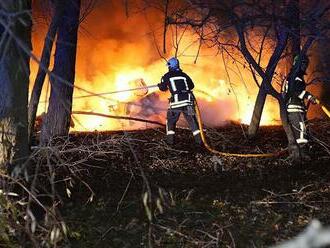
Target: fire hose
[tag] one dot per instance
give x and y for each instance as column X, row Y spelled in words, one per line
column 325, row 110
column 203, row 136
column 200, row 124
column 226, row 154
column 117, row 91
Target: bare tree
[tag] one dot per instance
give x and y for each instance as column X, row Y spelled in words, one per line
column 232, row 26
column 57, row 121
column 293, row 43
column 45, row 61
column 15, row 30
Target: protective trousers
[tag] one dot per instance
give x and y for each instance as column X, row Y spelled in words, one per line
column 298, row 122
column 190, row 116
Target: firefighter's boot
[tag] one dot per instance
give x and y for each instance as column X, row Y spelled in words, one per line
column 294, row 153
column 304, row 153
column 198, row 139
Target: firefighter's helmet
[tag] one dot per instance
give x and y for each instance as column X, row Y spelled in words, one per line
column 173, row 64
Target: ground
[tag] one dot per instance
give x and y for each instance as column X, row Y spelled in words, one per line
column 134, row 189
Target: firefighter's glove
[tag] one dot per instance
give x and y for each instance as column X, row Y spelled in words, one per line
column 312, row 99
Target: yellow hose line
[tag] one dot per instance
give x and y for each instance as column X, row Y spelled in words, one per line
column 326, row 111
column 225, row 154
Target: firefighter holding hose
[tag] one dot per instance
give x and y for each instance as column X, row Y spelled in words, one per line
column 296, row 96
column 180, row 86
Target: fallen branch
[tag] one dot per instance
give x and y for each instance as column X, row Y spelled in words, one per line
column 118, row 117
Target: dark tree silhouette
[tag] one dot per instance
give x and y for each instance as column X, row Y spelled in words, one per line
column 230, row 26
column 293, row 27
column 57, row 120
column 15, row 41
column 45, row 61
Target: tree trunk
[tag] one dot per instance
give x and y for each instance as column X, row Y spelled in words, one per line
column 45, row 61
column 257, row 112
column 57, row 120
column 292, row 13
column 14, row 81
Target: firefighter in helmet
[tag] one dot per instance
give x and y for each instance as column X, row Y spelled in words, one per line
column 296, row 97
column 180, row 86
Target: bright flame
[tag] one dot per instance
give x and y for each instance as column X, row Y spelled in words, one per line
column 115, row 65
column 219, row 101
column 122, row 83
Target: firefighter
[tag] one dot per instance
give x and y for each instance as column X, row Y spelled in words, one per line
column 180, row 86
column 296, row 96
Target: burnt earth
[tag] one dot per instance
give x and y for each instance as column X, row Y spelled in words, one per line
column 183, row 196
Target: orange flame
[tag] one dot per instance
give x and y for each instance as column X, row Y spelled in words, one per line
column 116, row 64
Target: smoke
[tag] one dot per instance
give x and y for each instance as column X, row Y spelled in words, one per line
column 115, row 50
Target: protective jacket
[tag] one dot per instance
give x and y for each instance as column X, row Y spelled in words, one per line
column 180, row 86
column 181, row 101
column 295, row 93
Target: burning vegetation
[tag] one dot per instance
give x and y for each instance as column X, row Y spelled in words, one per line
column 91, row 154
column 109, row 61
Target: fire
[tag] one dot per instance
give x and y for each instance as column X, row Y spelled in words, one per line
column 268, row 117
column 127, row 80
column 129, row 61
column 122, row 83
column 219, row 101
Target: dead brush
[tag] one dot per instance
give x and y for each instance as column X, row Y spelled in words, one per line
column 30, row 206
column 189, row 226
